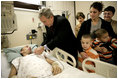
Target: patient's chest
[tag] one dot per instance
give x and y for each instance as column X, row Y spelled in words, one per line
column 34, row 66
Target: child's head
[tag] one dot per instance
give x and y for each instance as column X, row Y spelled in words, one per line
column 86, row 41
column 26, row 50
column 102, row 35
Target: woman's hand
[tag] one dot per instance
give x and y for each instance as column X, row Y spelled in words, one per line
column 98, row 48
column 104, row 49
column 56, row 69
column 39, row 50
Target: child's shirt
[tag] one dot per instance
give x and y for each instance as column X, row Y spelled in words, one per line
column 92, row 54
column 111, row 45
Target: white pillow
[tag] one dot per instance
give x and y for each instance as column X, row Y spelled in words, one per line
column 14, row 52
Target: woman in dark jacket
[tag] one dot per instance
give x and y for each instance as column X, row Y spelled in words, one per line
column 92, row 24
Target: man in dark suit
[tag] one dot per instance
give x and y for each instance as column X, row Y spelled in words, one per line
column 59, row 33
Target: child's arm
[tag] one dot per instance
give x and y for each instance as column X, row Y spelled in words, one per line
column 96, row 45
column 83, row 55
column 114, row 43
column 98, row 48
column 13, row 71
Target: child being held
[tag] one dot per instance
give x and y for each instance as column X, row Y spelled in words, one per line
column 86, row 42
column 105, row 46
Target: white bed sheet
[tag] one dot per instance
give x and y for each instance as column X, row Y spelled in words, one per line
column 5, row 66
column 71, row 72
column 68, row 71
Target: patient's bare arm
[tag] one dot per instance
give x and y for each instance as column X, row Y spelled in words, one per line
column 55, row 66
column 13, row 71
column 49, row 60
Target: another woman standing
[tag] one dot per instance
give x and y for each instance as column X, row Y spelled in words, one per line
column 80, row 17
column 92, row 24
column 108, row 14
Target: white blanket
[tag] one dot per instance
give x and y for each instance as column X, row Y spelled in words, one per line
column 68, row 71
column 71, row 72
column 32, row 66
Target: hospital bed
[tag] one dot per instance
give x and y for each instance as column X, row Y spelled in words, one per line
column 68, row 70
column 102, row 68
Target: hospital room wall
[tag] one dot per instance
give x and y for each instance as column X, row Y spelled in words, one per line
column 84, row 6
column 26, row 20
column 25, row 23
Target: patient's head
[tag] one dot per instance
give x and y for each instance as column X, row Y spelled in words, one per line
column 26, row 50
column 86, row 41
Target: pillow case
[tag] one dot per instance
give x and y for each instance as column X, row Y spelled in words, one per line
column 14, row 52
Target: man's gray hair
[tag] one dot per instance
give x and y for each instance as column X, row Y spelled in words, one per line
column 45, row 12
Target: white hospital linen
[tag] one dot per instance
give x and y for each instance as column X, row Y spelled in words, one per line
column 32, row 66
column 72, row 72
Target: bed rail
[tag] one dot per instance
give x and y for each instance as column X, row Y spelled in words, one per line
column 62, row 55
column 102, row 68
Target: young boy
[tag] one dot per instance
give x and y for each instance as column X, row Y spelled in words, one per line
column 33, row 66
column 105, row 46
column 86, row 42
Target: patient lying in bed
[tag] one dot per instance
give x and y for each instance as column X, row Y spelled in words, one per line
column 33, row 66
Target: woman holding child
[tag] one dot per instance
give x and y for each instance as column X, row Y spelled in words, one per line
column 92, row 24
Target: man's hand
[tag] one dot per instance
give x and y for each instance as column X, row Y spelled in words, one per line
column 84, row 55
column 39, row 50
column 55, row 68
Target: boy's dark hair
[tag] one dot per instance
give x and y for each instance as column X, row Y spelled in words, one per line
column 100, row 32
column 80, row 14
column 97, row 5
column 110, row 8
